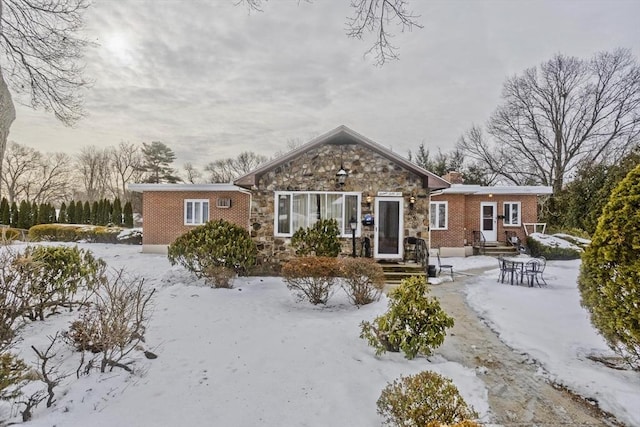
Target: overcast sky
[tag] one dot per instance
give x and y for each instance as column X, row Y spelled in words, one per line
column 210, row 80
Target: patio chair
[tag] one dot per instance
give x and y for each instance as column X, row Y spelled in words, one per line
column 534, row 271
column 442, row 266
column 506, row 268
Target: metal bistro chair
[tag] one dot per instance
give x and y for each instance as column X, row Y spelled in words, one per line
column 534, row 270
column 506, row 268
column 442, row 266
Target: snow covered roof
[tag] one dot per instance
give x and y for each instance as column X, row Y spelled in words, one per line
column 185, row 187
column 496, row 189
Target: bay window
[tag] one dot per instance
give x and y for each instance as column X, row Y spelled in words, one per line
column 302, row 209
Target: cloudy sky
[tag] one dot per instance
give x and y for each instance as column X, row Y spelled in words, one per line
column 211, row 80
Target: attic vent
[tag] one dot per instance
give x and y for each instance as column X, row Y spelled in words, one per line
column 223, row 203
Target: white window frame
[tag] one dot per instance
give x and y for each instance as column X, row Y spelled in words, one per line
column 434, row 207
column 507, row 219
column 200, row 214
column 343, row 225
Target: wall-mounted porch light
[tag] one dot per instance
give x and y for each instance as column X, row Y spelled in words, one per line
column 369, row 200
column 341, row 176
column 412, row 202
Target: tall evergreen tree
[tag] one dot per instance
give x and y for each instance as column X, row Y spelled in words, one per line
column 5, row 212
column 62, row 214
column 86, row 213
column 157, row 163
column 43, row 213
column 71, row 213
column 95, row 213
column 79, row 216
column 34, row 214
column 128, row 215
column 24, row 215
column 15, row 213
column 116, row 213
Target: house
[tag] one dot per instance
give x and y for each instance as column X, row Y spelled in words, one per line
column 467, row 216
column 347, row 177
column 170, row 210
column 344, row 176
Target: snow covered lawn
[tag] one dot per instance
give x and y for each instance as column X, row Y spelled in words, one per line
column 252, row 355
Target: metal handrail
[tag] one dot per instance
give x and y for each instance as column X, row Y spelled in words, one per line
column 479, row 241
column 422, row 252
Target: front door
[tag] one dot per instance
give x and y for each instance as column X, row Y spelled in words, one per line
column 389, row 226
column 489, row 221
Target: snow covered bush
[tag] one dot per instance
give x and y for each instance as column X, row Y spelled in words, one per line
column 609, row 281
column 36, row 282
column 312, row 278
column 13, row 376
column 114, row 325
column 424, row 399
column 552, row 248
column 320, row 240
column 216, row 243
column 363, row 280
column 414, row 323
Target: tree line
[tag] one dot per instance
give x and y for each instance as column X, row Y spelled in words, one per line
column 100, row 212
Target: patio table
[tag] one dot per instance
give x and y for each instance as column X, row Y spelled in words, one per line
column 515, row 266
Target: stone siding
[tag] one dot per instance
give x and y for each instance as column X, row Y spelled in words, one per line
column 315, row 170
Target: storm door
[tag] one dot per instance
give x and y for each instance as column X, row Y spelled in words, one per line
column 389, row 226
column 489, row 221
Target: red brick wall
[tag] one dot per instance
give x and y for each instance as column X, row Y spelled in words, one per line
column 464, row 217
column 163, row 212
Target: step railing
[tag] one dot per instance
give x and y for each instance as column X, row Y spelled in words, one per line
column 479, row 241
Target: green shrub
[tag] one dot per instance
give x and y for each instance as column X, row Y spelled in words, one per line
column 537, row 249
column 47, row 277
column 13, row 373
column 311, row 278
column 74, row 233
column 424, row 399
column 609, row 281
column 321, row 239
column 414, row 323
column 216, row 243
column 363, row 280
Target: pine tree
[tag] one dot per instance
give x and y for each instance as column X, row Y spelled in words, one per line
column 5, row 212
column 116, row 213
column 157, row 163
column 14, row 215
column 128, row 215
column 43, row 214
column 62, row 214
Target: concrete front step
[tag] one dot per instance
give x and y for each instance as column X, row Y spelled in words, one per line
column 395, row 273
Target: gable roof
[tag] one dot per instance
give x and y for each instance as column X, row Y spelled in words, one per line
column 343, row 135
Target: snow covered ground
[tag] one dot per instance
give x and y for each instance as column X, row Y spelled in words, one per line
column 252, row 355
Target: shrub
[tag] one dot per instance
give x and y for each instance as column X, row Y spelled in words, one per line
column 424, row 399
column 216, row 243
column 219, row 277
column 8, row 235
column 115, row 324
column 320, row 240
column 609, row 281
column 413, row 323
column 537, row 249
column 47, row 277
column 311, row 278
column 74, row 233
column 363, row 280
column 13, row 373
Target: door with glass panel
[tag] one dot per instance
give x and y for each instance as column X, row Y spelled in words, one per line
column 389, row 227
column 489, row 221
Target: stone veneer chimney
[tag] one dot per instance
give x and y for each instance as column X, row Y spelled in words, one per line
column 454, row 177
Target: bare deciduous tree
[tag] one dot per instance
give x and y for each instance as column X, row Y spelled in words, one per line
column 20, row 164
column 562, row 114
column 226, row 170
column 193, row 175
column 93, row 167
column 126, row 161
column 375, row 17
column 42, row 50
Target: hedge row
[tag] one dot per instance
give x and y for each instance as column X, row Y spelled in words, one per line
column 88, row 233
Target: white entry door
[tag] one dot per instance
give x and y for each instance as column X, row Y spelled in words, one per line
column 389, row 226
column 489, row 221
